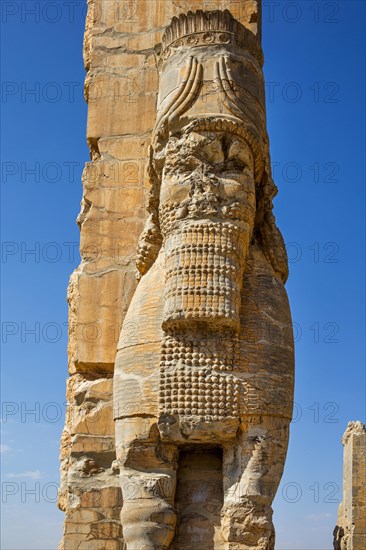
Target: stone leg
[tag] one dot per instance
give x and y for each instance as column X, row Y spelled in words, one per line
column 252, row 470
column 148, row 481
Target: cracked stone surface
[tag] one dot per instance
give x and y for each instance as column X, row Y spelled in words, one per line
column 180, row 439
column 350, row 531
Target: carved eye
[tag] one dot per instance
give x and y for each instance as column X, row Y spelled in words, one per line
column 239, row 153
column 211, row 152
column 234, row 165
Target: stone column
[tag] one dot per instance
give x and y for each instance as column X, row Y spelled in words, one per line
column 350, row 532
column 203, row 388
column 121, row 89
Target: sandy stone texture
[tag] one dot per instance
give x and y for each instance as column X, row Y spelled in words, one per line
column 350, row 531
column 215, row 492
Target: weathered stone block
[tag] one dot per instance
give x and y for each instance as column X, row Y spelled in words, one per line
column 350, row 531
column 123, row 58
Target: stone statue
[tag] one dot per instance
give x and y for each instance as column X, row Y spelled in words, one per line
column 203, row 382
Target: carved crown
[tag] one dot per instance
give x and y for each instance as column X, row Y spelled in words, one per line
column 207, row 28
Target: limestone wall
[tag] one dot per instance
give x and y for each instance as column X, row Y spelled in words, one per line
column 350, row 532
column 121, row 91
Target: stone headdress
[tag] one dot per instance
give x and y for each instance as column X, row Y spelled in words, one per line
column 210, row 79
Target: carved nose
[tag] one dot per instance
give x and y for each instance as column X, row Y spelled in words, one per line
column 212, row 189
column 209, row 180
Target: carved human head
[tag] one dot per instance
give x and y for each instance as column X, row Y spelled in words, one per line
column 209, row 157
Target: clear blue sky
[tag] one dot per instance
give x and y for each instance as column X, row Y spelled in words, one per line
column 314, row 69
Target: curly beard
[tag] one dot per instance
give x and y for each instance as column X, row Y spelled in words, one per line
column 204, row 267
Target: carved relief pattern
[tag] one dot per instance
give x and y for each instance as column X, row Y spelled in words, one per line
column 194, row 29
column 204, row 264
column 212, row 262
column 202, row 375
column 185, row 96
column 196, row 376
